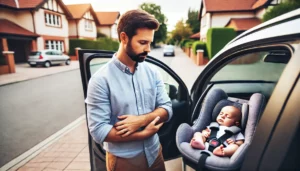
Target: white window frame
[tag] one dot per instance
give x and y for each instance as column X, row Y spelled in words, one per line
column 52, row 20
column 88, row 25
column 55, row 45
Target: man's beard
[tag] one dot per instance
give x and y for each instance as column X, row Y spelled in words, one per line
column 135, row 57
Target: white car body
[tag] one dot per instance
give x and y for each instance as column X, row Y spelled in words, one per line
column 48, row 58
column 169, row 50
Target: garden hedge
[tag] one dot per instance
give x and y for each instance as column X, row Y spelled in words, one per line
column 217, row 38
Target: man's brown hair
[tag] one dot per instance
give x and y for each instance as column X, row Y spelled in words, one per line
column 132, row 20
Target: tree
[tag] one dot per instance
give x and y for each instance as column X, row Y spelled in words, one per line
column 193, row 21
column 280, row 9
column 161, row 34
column 181, row 31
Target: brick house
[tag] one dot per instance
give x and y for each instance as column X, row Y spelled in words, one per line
column 83, row 24
column 38, row 25
column 238, row 14
column 33, row 25
column 108, row 23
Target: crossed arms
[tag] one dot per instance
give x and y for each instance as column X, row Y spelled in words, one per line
column 126, row 129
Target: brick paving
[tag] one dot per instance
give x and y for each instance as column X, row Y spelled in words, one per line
column 69, row 153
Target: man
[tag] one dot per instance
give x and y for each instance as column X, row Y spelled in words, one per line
column 127, row 102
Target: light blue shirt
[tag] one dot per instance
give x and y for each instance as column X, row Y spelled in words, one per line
column 113, row 91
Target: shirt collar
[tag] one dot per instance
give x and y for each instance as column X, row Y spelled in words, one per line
column 120, row 65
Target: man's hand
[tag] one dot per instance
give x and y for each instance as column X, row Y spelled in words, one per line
column 152, row 128
column 129, row 124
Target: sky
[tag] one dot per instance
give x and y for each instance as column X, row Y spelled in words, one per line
column 174, row 10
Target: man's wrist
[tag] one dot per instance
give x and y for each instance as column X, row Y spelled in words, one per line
column 144, row 120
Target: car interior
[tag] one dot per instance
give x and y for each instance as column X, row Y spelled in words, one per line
column 215, row 100
column 240, row 78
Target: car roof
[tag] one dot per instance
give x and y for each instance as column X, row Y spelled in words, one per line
column 279, row 27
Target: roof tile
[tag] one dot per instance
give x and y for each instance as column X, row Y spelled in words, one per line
column 107, row 18
column 242, row 24
column 23, row 4
column 228, row 5
column 78, row 10
column 8, row 27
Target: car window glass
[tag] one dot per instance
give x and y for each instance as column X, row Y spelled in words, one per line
column 171, row 84
column 248, row 74
column 34, row 53
column 49, row 53
column 97, row 63
column 250, row 67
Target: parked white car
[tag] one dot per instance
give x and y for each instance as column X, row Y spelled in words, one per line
column 169, row 50
column 48, row 58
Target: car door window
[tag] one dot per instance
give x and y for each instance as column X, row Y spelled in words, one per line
column 49, row 53
column 252, row 72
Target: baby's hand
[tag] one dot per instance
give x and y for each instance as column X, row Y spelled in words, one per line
column 206, row 134
column 230, row 141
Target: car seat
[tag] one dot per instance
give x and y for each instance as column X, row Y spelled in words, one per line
column 215, row 100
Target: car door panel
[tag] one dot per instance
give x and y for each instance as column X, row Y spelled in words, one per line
column 180, row 106
column 271, row 117
column 284, row 133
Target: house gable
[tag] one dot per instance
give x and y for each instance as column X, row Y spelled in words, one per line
column 107, row 18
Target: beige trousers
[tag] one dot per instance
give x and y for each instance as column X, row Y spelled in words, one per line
column 138, row 163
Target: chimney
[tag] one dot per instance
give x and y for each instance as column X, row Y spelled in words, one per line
column 17, row 3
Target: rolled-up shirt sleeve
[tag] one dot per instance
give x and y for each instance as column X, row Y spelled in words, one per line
column 162, row 98
column 98, row 109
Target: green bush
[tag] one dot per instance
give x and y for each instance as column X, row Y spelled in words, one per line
column 99, row 44
column 183, row 41
column 199, row 45
column 217, row 38
column 281, row 9
column 188, row 44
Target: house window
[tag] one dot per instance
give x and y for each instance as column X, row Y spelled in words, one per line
column 88, row 25
column 55, row 44
column 52, row 19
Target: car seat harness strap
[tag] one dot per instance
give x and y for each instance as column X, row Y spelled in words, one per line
column 215, row 142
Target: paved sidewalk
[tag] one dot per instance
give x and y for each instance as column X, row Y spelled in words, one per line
column 70, row 152
column 25, row 72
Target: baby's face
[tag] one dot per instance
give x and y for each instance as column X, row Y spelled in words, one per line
column 229, row 116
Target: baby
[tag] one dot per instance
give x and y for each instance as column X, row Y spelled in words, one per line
column 229, row 116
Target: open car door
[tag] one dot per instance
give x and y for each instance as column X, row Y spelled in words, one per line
column 92, row 60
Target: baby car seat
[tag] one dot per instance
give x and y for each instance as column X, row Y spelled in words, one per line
column 215, row 100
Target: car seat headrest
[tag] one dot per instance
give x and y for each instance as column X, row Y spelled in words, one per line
column 242, row 107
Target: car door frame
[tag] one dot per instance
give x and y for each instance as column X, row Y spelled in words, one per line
column 183, row 94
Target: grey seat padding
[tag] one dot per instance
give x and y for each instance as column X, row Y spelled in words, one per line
column 213, row 103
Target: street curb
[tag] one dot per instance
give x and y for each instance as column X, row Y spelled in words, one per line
column 34, row 151
column 36, row 77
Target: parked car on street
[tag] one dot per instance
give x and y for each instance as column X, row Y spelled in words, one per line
column 169, row 50
column 48, row 58
column 265, row 60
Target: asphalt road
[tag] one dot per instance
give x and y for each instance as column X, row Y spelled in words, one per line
column 33, row 110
